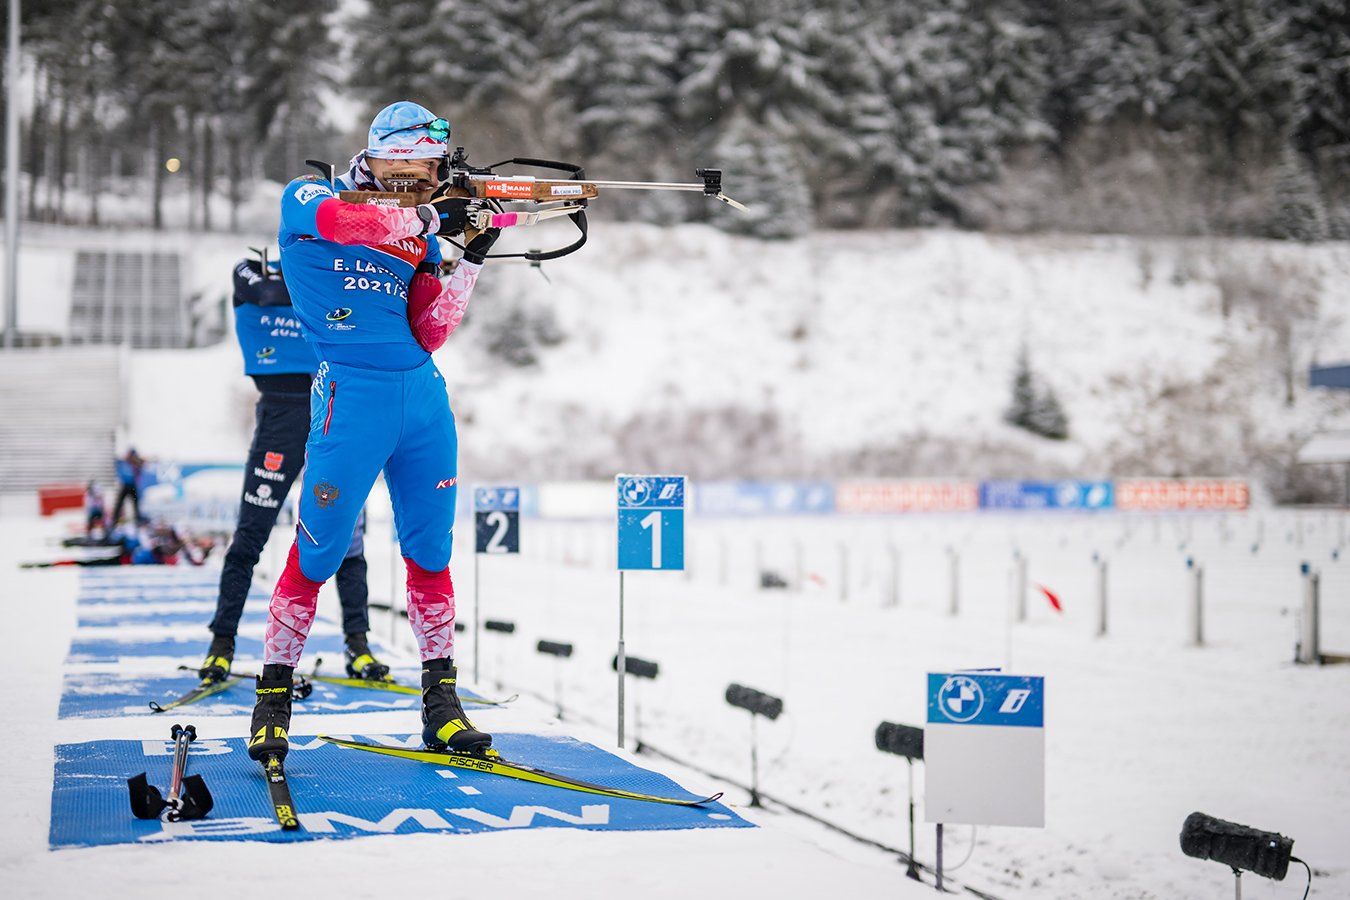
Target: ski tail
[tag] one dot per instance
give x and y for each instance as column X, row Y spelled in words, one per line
column 394, row 687
column 207, row 688
column 283, row 807
column 493, row 764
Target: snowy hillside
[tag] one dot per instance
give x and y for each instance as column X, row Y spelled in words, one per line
column 851, row 353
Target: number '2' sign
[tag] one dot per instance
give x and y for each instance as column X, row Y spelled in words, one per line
column 651, row 522
column 497, row 519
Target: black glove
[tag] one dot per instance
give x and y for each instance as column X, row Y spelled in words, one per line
column 477, row 249
column 447, row 216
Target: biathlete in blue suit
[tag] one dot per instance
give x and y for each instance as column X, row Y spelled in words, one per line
column 281, row 363
column 364, row 283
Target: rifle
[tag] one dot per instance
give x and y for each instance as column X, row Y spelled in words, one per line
column 554, row 197
column 546, row 198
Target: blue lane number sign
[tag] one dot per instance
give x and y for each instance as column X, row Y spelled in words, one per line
column 496, row 514
column 651, row 522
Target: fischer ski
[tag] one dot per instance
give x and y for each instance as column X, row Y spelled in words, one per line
column 392, row 686
column 209, row 688
column 282, row 804
column 492, row 764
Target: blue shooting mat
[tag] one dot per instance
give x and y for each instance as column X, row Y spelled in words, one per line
column 343, row 793
column 103, row 695
column 146, row 578
column 197, row 613
column 93, row 647
column 168, row 594
column 150, row 575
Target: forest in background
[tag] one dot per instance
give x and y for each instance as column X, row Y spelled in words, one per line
column 1192, row 117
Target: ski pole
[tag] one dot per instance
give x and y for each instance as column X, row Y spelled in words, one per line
column 182, row 738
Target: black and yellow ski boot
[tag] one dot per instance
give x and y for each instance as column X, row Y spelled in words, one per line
column 271, row 713
column 445, row 726
column 361, row 663
column 219, row 658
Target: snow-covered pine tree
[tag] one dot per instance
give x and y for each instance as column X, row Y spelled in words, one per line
column 1048, row 418
column 290, row 60
column 1321, row 31
column 1247, row 86
column 1300, row 213
column 615, row 78
column 1034, row 406
column 768, row 76
column 1023, row 401
column 207, row 40
column 840, row 159
column 769, row 181
column 493, row 71
column 144, row 73
column 399, row 53
column 1131, row 59
column 967, row 80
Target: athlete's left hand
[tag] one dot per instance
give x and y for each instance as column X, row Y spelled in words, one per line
column 476, row 250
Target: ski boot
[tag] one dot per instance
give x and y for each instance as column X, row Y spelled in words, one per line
column 271, row 713
column 219, row 657
column 361, row 663
column 445, row 726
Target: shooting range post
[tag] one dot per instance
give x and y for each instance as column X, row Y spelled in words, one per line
column 650, row 520
column 984, row 751
column 496, row 519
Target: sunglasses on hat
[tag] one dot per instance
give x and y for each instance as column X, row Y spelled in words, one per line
column 438, row 128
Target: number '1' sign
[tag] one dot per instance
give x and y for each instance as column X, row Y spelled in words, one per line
column 651, row 522
column 497, row 519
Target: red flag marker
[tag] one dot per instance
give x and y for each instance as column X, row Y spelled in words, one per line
column 1054, row 601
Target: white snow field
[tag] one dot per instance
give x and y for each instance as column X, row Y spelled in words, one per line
column 897, row 344
column 1142, row 728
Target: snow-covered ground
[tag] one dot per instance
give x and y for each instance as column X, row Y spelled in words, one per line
column 781, row 858
column 689, row 350
column 875, row 353
column 1142, row 729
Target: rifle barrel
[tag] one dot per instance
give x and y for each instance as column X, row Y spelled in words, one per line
column 616, row 185
column 651, row 185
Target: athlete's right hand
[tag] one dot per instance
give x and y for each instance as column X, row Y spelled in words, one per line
column 448, row 216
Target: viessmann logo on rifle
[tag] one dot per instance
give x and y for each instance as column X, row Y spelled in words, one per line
column 511, row 190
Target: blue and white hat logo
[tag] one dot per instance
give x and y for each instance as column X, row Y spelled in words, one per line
column 961, row 698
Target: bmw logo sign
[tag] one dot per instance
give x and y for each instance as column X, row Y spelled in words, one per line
column 961, row 698
column 635, row 491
